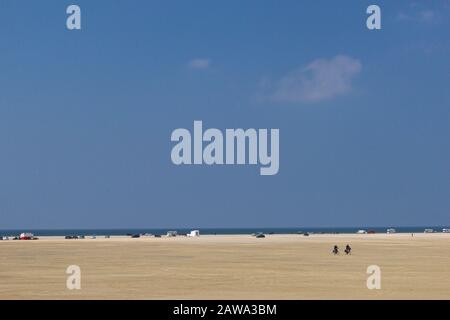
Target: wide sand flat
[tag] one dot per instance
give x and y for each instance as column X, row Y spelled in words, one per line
column 228, row 267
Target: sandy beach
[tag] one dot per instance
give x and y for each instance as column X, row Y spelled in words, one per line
column 228, row 267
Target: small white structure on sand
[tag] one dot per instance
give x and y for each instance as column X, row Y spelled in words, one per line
column 445, row 230
column 171, row 234
column 194, row 233
column 361, row 232
column 428, row 231
column 391, row 230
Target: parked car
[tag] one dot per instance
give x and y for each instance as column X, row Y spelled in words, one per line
column 26, row 236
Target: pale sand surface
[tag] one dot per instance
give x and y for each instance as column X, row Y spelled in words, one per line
column 228, row 267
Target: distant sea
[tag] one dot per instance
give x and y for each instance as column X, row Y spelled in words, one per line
column 212, row 231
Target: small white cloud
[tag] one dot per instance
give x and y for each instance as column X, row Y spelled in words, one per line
column 403, row 17
column 423, row 16
column 427, row 16
column 320, row 80
column 200, row 63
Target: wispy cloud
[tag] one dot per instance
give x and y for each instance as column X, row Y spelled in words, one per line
column 419, row 14
column 320, row 80
column 199, row 63
column 425, row 16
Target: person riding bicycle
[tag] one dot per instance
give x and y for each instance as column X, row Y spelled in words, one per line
column 348, row 249
column 336, row 250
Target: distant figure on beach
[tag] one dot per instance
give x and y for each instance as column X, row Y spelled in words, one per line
column 348, row 249
column 336, row 250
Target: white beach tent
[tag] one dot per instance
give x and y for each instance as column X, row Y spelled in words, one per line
column 194, row 233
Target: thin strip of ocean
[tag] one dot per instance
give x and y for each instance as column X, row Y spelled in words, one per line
column 218, row 231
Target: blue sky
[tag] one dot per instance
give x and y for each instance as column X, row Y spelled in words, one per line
column 86, row 116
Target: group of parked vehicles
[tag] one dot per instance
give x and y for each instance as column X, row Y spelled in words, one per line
column 392, row 230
